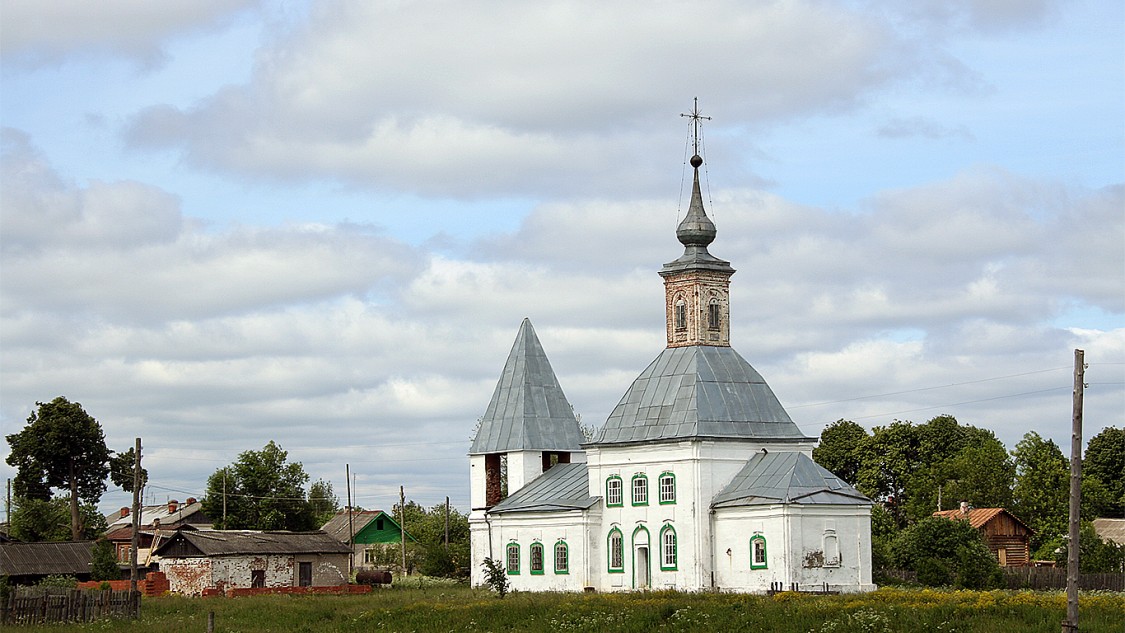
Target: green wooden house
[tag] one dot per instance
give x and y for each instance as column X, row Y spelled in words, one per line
column 375, row 535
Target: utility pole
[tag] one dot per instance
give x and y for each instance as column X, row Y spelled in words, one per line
column 447, row 524
column 224, row 498
column 351, row 527
column 8, row 506
column 1070, row 624
column 402, row 525
column 134, row 538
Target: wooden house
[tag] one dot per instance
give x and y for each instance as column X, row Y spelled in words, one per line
column 1007, row 537
column 28, row 563
column 375, row 537
column 197, row 560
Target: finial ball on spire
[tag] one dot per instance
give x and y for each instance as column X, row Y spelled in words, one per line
column 696, row 161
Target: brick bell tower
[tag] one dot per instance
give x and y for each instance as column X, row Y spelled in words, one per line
column 697, row 285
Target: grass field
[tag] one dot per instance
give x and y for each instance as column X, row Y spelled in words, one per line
column 438, row 607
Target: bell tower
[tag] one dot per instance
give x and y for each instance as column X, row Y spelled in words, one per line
column 697, row 285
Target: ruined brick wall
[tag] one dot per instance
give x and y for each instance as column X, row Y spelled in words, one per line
column 188, row 576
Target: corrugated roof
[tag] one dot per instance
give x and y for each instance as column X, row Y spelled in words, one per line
column 1111, row 530
column 977, row 517
column 185, row 513
column 236, row 542
column 698, row 391
column 562, row 487
column 786, row 477
column 337, row 526
column 528, row 410
column 35, row 559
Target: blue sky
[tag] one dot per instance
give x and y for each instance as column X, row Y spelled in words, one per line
column 321, row 223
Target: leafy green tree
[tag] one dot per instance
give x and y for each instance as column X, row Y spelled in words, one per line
column 1105, row 461
column 62, row 447
column 1041, row 496
column 428, row 553
column 893, row 457
column 323, row 502
column 842, row 449
column 945, row 551
column 121, row 470
column 103, row 563
column 36, row 520
column 262, row 491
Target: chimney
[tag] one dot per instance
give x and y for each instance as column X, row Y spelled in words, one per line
column 172, row 505
column 964, row 507
column 124, row 512
column 191, row 500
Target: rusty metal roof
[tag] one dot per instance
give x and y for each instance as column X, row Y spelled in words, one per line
column 528, row 410
column 207, row 543
column 978, row 517
column 786, row 477
column 35, row 559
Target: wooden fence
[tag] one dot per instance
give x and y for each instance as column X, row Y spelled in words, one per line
column 38, row 605
column 1034, row 578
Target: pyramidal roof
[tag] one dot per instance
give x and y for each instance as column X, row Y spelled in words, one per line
column 786, row 477
column 698, row 391
column 528, row 410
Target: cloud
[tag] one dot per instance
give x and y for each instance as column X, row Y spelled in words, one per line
column 914, row 127
column 43, row 33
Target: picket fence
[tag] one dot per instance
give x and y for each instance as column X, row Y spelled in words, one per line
column 41, row 605
column 1039, row 578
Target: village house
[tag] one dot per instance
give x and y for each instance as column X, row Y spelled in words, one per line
column 28, row 563
column 198, row 560
column 157, row 521
column 1007, row 537
column 698, row 480
column 375, row 537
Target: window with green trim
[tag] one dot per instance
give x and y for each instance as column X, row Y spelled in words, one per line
column 616, row 551
column 667, row 488
column 537, row 558
column 640, row 489
column 513, row 559
column 668, row 555
column 758, row 552
column 562, row 558
column 613, row 496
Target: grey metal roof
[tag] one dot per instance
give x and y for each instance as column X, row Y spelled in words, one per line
column 236, row 542
column 786, row 477
column 562, row 487
column 696, row 231
column 529, row 410
column 696, row 392
column 41, row 559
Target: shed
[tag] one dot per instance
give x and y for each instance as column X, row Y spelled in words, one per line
column 1007, row 536
column 195, row 560
column 25, row 563
column 1112, row 530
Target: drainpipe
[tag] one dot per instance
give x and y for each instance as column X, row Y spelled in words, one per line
column 714, row 544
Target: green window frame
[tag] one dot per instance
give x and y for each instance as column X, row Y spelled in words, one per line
column 614, row 492
column 640, row 489
column 535, row 562
column 513, row 559
column 758, row 557
column 669, row 550
column 562, row 557
column 615, row 551
column 667, row 485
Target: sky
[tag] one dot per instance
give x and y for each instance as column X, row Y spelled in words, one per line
column 320, row 223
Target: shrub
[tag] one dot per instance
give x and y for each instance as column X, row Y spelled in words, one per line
column 945, row 551
column 495, row 576
column 59, row 580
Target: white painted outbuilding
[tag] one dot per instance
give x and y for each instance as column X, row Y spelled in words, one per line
column 699, row 479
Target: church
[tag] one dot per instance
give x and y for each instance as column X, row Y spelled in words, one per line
column 698, row 480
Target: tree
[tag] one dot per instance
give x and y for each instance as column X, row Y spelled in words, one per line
column 62, row 447
column 103, row 563
column 888, row 465
column 945, row 551
column 262, row 492
column 1105, row 461
column 842, row 449
column 323, row 502
column 121, row 467
column 35, row 520
column 1041, row 496
column 428, row 553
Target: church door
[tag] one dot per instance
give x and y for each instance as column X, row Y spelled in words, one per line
column 642, row 567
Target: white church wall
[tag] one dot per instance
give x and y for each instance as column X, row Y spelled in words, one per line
column 736, row 529
column 525, row 531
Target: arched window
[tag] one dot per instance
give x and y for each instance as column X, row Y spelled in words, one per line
column 616, row 545
column 640, row 489
column 562, row 558
column 681, row 315
column 613, row 496
column 713, row 312
column 513, row 559
column 667, row 488
column 536, row 558
column 831, row 549
column 668, row 556
column 758, row 552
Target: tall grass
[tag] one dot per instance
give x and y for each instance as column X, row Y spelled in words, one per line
column 424, row 607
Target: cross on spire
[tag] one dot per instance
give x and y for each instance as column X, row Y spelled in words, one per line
column 696, row 119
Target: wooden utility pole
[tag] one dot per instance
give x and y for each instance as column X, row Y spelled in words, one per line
column 1070, row 624
column 351, row 527
column 402, row 524
column 224, row 498
column 134, row 539
column 447, row 524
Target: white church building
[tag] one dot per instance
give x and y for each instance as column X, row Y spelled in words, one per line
column 698, row 480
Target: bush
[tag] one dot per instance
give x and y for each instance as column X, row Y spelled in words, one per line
column 59, row 580
column 944, row 552
column 495, row 576
column 103, row 564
